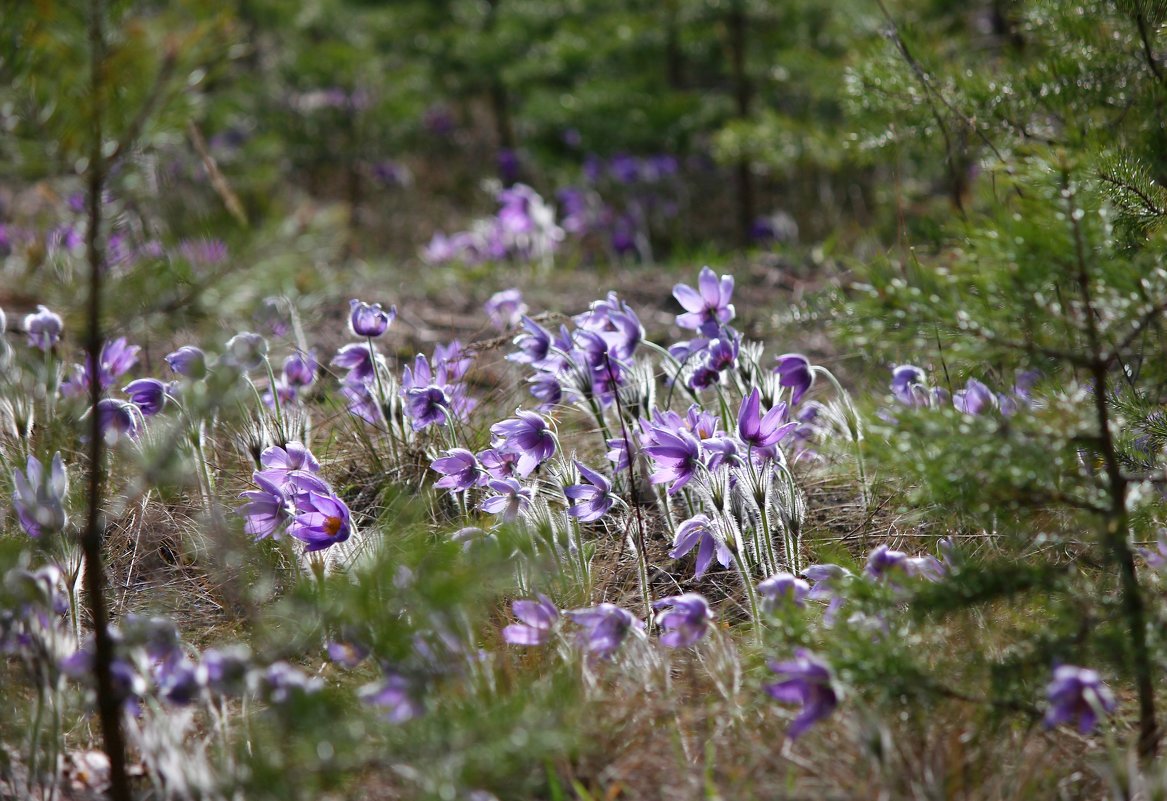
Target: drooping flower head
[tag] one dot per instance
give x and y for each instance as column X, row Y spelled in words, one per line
column 794, row 372
column 39, row 497
column 592, row 499
column 427, row 406
column 1078, row 694
column 117, row 418
column 804, row 680
column 188, row 361
column 43, row 328
column 528, row 435
column 683, row 618
column 538, row 620
column 699, row 532
column 603, row 628
column 370, row 320
column 148, row 394
column 708, row 307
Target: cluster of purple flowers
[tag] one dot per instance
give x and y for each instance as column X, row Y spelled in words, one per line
column 292, row 498
column 909, row 386
column 885, row 566
column 522, row 230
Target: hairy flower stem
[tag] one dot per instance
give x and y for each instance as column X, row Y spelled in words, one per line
column 1116, row 531
column 108, row 706
column 748, row 585
column 638, row 543
column 281, row 429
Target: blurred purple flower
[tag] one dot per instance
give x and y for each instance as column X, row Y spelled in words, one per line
column 117, row 358
column 804, row 680
column 267, row 509
column 538, row 619
column 203, row 252
column 1078, row 694
column 117, row 418
column 828, row 586
column 278, row 462
column 683, row 618
column 43, row 328
column 783, row 590
column 794, row 372
column 396, row 695
column 39, row 497
column 604, row 628
column 974, row 399
column 246, row 351
column 188, row 361
column 300, row 369
column 506, row 309
column 347, row 653
column 359, row 359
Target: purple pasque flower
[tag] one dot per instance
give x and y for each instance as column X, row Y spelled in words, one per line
column 615, row 322
column 278, row 462
column 427, row 406
column 883, row 564
column 593, row 499
column 528, row 435
column 321, row 520
column 910, row 387
column 359, row 359
column 974, row 399
column 39, row 497
column 43, row 328
column 534, row 343
column 717, row 355
column 675, row 455
column 460, row 470
column 683, row 618
column 498, row 464
column 117, row 418
column 396, row 695
column 604, row 628
column 281, row 682
column 148, row 394
column 1155, row 557
column 506, row 309
column 700, row 532
column 795, row 373
column 116, row 359
column 708, row 307
column 246, row 351
column 347, row 653
column 783, row 590
column 300, row 369
column 511, row 501
column 188, row 361
column 805, row 680
column 538, row 619
column 224, row 670
column 547, row 389
column 829, row 581
column 452, row 360
column 268, row 509
column 758, row 430
column 370, row 320
column 1078, row 694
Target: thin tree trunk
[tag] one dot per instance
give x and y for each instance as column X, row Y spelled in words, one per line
column 742, row 96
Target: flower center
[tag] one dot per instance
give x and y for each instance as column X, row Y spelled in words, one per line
column 332, row 526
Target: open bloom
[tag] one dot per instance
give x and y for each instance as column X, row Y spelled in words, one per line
column 804, row 680
column 883, row 563
column 370, row 320
column 278, row 462
column 683, row 618
column 794, row 371
column 359, row 359
column 603, row 628
column 782, row 590
column 708, row 306
column 528, row 435
column 427, row 406
column 267, row 509
column 506, row 309
column 699, row 531
column 538, row 618
column 828, row 586
column 675, row 455
column 321, row 520
column 115, row 360
column 1078, row 694
column 39, row 498
column 593, row 499
column 460, row 470
column 43, row 328
column 758, row 430
column 974, row 399
column 511, row 501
